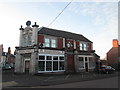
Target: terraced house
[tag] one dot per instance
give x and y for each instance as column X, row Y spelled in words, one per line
column 46, row 50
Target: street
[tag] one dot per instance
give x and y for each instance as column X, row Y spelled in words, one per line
column 102, row 83
column 93, row 80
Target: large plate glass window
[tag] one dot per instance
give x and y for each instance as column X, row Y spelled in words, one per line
column 51, row 63
column 41, row 57
column 41, row 65
column 48, row 66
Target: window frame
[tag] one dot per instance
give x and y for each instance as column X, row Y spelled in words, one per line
column 60, row 69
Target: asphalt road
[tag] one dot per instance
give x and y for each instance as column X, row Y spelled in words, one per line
column 101, row 83
column 92, row 80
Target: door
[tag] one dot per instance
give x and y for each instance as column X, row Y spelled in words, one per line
column 86, row 67
column 27, row 66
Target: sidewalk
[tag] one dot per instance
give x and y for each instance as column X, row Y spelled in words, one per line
column 46, row 80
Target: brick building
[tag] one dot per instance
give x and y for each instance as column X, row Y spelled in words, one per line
column 113, row 55
column 44, row 50
column 6, row 58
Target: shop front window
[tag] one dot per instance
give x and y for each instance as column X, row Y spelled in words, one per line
column 48, row 66
column 50, row 63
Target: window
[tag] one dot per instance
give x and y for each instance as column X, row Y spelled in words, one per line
column 41, row 65
column 81, row 62
column 55, row 57
column 50, row 42
column 61, row 65
column 53, row 43
column 81, row 59
column 47, row 42
column 86, row 59
column 48, row 66
column 83, row 46
column 61, row 58
column 51, row 63
column 41, row 57
column 55, row 65
column 49, row 57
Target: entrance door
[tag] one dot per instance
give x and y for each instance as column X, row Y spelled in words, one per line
column 86, row 67
column 27, row 66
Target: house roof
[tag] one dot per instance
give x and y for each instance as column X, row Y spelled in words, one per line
column 61, row 33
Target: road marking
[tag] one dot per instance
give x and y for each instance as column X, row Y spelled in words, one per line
column 10, row 83
column 67, row 76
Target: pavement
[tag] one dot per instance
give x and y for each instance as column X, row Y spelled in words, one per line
column 9, row 79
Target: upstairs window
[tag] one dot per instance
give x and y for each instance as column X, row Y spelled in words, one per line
column 53, row 43
column 83, row 46
column 50, row 42
column 47, row 42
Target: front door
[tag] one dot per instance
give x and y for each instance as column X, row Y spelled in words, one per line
column 27, row 66
column 86, row 67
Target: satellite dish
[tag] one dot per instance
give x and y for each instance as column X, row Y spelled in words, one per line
column 28, row 23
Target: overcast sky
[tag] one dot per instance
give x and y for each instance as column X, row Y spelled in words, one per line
column 97, row 21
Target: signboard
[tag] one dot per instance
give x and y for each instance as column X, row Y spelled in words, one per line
column 26, row 51
column 43, row 51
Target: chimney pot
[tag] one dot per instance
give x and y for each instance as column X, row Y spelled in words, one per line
column 115, row 43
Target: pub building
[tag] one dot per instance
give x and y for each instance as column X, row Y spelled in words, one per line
column 46, row 50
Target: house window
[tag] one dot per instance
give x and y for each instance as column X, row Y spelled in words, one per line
column 47, row 42
column 50, row 63
column 81, row 62
column 49, row 58
column 81, row 59
column 41, row 57
column 41, row 66
column 83, row 46
column 50, row 42
column 53, row 43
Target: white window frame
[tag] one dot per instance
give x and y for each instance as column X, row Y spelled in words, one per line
column 47, row 44
column 86, row 56
column 52, row 62
column 83, row 46
column 50, row 43
column 53, row 44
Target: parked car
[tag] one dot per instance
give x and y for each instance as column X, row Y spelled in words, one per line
column 6, row 67
column 106, row 69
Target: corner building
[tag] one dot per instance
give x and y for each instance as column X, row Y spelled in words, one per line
column 46, row 50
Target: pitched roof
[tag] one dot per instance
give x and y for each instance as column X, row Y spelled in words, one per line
column 61, row 33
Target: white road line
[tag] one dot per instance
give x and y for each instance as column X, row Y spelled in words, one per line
column 67, row 76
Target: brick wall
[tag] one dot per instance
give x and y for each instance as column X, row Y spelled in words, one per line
column 70, row 62
column 40, row 38
column 60, row 43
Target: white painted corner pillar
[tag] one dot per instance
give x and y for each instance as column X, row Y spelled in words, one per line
column 20, row 37
column 35, row 34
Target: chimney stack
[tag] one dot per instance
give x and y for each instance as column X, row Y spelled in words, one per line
column 115, row 43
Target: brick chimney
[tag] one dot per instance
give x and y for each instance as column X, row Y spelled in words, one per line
column 115, row 43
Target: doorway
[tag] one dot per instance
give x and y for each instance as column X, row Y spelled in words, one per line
column 86, row 67
column 27, row 66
